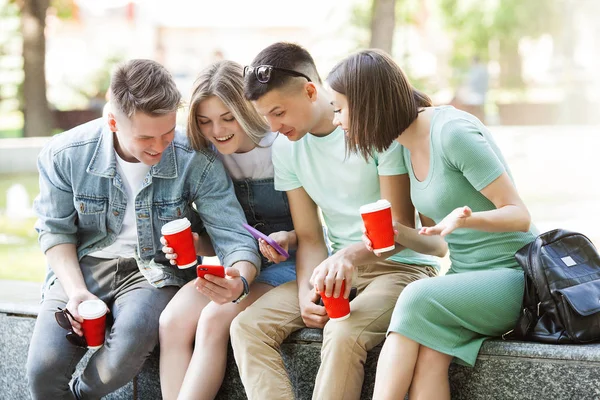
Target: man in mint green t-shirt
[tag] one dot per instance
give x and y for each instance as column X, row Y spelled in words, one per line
column 313, row 167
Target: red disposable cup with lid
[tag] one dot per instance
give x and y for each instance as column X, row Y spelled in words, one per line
column 377, row 218
column 93, row 313
column 178, row 234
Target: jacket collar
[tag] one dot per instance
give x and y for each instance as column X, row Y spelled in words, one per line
column 104, row 162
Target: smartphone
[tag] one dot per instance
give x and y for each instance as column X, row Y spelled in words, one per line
column 259, row 235
column 216, row 270
column 350, row 297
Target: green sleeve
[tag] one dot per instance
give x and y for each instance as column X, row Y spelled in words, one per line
column 466, row 149
column 391, row 161
column 285, row 176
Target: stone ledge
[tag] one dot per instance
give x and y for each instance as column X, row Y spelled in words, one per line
column 504, row 370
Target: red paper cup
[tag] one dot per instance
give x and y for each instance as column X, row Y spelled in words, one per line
column 378, row 222
column 93, row 313
column 179, row 236
column 337, row 309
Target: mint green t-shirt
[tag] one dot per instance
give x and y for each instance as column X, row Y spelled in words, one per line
column 338, row 183
column 463, row 160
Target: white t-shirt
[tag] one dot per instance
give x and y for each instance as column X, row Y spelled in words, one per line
column 125, row 245
column 254, row 164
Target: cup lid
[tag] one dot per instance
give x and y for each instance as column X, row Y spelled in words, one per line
column 175, row 226
column 91, row 309
column 378, row 205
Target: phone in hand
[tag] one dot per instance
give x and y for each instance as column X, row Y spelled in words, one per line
column 216, row 270
column 350, row 297
column 259, row 235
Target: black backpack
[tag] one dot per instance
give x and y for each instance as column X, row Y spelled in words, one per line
column 561, row 303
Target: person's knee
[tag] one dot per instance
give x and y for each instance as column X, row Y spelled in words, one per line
column 41, row 371
column 341, row 335
column 213, row 325
column 245, row 327
column 418, row 295
column 174, row 325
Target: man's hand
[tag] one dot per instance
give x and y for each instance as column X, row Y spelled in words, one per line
column 328, row 276
column 313, row 315
column 283, row 239
column 73, row 304
column 221, row 290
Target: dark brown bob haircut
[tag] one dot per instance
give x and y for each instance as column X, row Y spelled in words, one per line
column 381, row 101
column 280, row 55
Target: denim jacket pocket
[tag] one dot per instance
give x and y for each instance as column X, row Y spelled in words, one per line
column 91, row 213
column 171, row 211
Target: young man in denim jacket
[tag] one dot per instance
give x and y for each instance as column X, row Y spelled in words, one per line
column 106, row 189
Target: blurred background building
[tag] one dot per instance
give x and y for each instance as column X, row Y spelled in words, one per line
column 512, row 63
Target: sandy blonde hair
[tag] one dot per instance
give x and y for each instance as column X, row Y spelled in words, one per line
column 143, row 86
column 224, row 80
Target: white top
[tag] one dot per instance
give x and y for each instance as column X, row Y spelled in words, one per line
column 254, row 164
column 126, row 242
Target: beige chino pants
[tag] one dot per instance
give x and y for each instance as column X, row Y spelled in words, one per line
column 257, row 333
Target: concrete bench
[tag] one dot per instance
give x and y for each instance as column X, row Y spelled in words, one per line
column 504, row 370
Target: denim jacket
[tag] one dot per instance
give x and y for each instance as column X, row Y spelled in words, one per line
column 82, row 200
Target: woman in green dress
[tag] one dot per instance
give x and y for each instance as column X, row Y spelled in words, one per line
column 460, row 180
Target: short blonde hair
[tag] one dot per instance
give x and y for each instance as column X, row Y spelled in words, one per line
column 224, row 80
column 143, row 86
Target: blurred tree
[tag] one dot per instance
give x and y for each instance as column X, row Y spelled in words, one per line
column 379, row 18
column 38, row 120
column 474, row 25
column 9, row 41
column 383, row 23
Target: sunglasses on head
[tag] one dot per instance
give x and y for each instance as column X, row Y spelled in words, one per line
column 62, row 318
column 263, row 72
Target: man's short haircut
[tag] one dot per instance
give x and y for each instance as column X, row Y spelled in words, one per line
column 143, row 86
column 281, row 55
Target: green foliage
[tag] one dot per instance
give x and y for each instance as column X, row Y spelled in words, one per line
column 474, row 24
column 65, row 9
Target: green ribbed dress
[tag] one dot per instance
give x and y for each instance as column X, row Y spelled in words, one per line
column 481, row 294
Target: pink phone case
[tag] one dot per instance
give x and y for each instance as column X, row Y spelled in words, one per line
column 259, row 235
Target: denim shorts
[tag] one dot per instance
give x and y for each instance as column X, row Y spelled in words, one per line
column 278, row 274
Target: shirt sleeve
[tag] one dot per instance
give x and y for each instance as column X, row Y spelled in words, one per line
column 285, row 175
column 222, row 216
column 391, row 161
column 54, row 205
column 466, row 149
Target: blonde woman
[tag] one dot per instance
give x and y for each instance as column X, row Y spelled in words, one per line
column 194, row 328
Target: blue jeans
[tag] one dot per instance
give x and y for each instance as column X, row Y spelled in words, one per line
column 132, row 333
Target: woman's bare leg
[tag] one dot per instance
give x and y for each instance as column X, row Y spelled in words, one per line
column 207, row 367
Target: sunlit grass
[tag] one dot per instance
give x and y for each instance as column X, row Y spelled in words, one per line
column 28, row 180
column 20, row 255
